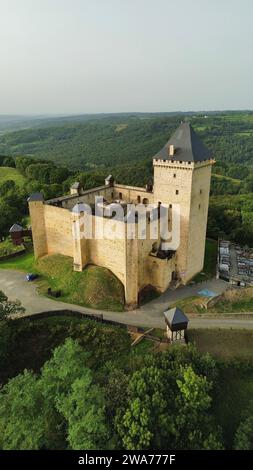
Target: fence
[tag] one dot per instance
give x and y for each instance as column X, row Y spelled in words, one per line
column 73, row 313
column 13, row 255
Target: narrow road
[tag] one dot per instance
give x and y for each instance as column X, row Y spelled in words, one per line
column 14, row 285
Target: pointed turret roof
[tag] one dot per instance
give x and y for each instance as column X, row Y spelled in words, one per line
column 187, row 146
column 176, row 319
column 16, row 228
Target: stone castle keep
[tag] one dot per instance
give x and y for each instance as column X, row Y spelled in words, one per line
column 182, row 175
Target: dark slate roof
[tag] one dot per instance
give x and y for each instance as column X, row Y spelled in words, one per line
column 76, row 185
column 175, row 316
column 187, row 146
column 16, row 228
column 36, row 197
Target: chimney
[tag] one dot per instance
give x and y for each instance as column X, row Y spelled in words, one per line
column 171, row 151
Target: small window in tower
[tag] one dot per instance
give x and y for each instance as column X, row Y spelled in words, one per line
column 170, row 206
column 180, row 162
column 120, row 195
column 174, row 176
column 199, row 206
column 112, row 195
column 200, row 191
column 177, row 192
column 138, row 199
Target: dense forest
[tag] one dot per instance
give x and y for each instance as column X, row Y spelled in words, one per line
column 51, row 158
column 78, row 384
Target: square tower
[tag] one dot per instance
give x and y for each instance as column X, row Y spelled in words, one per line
column 182, row 175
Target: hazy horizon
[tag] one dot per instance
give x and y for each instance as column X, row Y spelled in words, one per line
column 63, row 58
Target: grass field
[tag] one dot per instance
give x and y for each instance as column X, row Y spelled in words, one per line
column 7, row 173
column 224, row 343
column 233, row 396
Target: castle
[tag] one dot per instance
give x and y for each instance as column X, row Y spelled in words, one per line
column 182, row 175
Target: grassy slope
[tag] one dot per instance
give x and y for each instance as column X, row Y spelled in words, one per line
column 95, row 287
column 11, row 174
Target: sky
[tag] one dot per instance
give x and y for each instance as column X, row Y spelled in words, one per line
column 92, row 56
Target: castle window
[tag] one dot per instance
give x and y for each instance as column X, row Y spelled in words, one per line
column 112, row 195
column 170, row 206
column 174, row 176
column 199, row 206
column 177, row 192
column 200, row 191
column 180, row 162
column 120, row 195
column 138, row 199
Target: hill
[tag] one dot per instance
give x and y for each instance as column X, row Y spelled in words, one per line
column 120, row 139
column 11, row 174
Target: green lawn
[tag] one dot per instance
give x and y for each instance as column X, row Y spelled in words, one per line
column 21, row 263
column 7, row 173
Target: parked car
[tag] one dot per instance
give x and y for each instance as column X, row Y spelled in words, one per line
column 31, row 277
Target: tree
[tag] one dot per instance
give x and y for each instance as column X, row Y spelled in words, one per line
column 63, row 403
column 8, row 307
column 22, row 424
column 169, row 403
column 194, row 426
column 84, row 410
column 8, row 185
column 244, row 435
column 68, row 385
column 148, row 404
column 9, row 161
column 68, row 363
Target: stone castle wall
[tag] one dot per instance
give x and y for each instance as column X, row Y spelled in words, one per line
column 54, row 225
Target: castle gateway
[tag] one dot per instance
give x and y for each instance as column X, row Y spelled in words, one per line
column 182, row 176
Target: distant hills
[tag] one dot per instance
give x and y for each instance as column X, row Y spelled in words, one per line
column 89, row 142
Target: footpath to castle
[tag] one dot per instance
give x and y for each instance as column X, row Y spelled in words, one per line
column 14, row 285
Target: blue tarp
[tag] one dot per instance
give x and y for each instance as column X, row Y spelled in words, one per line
column 207, row 293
